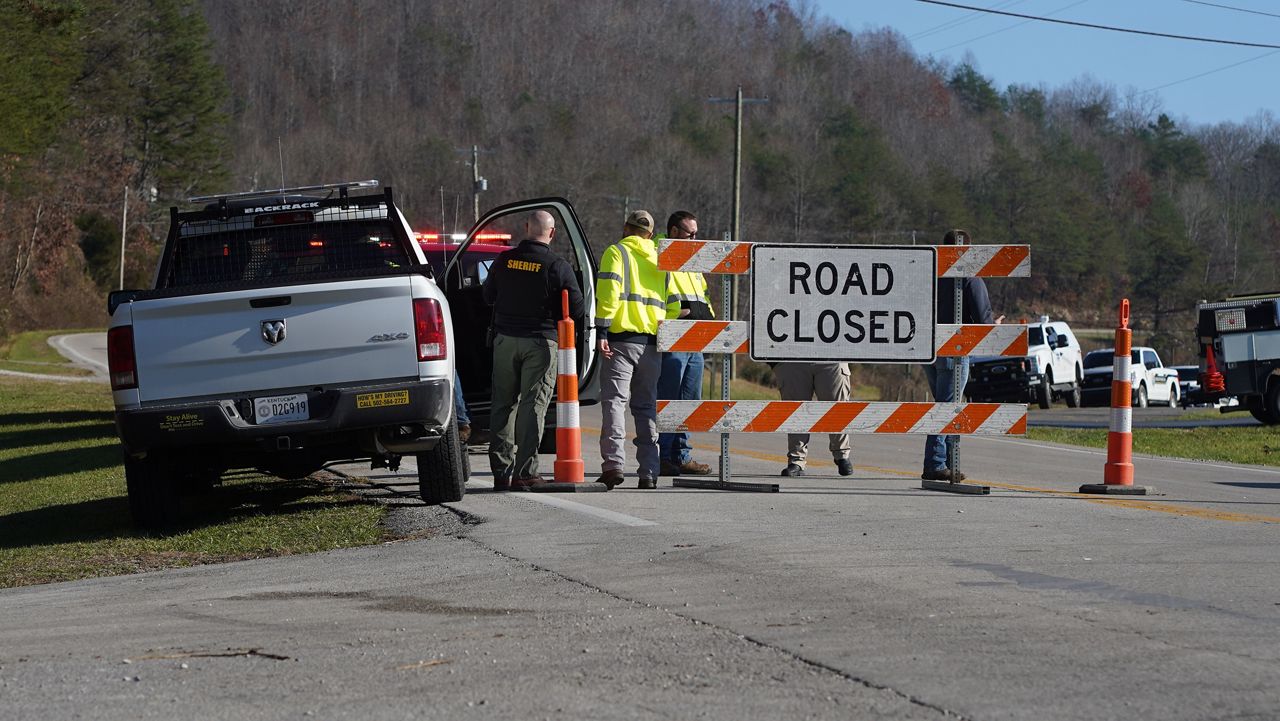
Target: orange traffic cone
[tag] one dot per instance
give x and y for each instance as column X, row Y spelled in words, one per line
column 1117, row 475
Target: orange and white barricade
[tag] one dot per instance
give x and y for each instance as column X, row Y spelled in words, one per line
column 722, row 336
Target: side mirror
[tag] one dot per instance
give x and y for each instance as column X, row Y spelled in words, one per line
column 1063, row 341
column 116, row 297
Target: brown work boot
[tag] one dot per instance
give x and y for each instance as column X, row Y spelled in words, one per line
column 649, row 482
column 611, row 478
column 464, row 432
column 527, row 482
column 693, row 468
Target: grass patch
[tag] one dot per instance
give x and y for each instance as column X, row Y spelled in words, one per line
column 1253, row 445
column 64, row 514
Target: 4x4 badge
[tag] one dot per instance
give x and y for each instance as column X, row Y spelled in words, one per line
column 273, row 331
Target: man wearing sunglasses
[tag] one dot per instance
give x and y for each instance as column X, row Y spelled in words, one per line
column 681, row 377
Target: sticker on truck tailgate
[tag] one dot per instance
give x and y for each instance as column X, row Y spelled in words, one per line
column 181, row 421
column 385, row 398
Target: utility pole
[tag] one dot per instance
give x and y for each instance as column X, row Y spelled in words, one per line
column 479, row 184
column 124, row 229
column 736, row 227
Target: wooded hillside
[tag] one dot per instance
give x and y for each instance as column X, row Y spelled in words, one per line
column 606, row 102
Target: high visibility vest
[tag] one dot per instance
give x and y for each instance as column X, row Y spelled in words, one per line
column 631, row 293
column 688, row 287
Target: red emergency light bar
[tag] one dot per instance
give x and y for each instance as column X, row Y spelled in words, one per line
column 459, row 237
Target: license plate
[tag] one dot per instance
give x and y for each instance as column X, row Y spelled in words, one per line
column 280, row 409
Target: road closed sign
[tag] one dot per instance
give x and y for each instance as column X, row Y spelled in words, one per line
column 858, row 303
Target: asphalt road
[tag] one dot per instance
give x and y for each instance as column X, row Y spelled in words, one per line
column 853, row 597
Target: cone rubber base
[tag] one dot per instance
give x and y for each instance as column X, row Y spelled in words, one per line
column 949, row 487
column 566, row 487
column 1104, row 489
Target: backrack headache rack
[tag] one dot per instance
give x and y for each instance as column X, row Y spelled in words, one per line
column 340, row 187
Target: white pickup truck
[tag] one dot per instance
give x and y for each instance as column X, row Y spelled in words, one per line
column 1149, row 379
column 286, row 329
column 292, row 328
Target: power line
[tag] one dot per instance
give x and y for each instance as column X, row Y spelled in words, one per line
column 1010, row 27
column 948, row 25
column 1103, row 27
column 1228, row 7
column 1209, row 72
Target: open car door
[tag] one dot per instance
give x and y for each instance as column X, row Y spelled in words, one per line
column 468, row 266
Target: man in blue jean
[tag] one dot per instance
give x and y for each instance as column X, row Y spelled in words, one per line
column 976, row 308
column 681, row 377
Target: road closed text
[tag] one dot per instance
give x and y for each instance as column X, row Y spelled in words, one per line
column 857, row 303
column 827, row 326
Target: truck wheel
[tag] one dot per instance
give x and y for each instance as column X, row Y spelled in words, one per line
column 1044, row 394
column 443, row 470
column 1173, row 395
column 154, row 491
column 1266, row 407
column 1074, row 396
column 1142, row 396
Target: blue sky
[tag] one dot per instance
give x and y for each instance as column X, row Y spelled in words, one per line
column 1012, row 50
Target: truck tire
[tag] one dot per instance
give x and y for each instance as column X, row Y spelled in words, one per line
column 154, row 491
column 1173, row 395
column 1141, row 401
column 1273, row 402
column 1044, row 394
column 443, row 470
column 1074, row 397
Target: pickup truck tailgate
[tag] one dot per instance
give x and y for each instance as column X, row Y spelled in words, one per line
column 345, row 332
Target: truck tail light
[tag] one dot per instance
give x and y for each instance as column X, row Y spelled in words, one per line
column 428, row 328
column 121, row 363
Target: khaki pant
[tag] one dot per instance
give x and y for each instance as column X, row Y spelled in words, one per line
column 630, row 379
column 804, row 381
column 524, row 371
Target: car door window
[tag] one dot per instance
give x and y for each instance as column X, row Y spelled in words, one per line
column 1150, row 360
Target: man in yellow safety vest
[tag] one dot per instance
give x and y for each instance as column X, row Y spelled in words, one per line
column 631, row 298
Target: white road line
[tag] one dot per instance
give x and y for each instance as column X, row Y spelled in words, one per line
column 584, row 509
column 1166, row 459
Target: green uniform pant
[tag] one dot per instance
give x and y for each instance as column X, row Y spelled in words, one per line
column 524, row 377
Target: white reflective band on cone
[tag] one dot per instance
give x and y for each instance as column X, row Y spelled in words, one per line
column 568, row 361
column 1120, row 368
column 1122, row 420
column 567, row 415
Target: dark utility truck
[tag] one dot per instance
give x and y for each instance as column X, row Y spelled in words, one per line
column 1239, row 341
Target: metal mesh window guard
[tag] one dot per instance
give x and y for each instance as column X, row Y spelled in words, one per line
column 271, row 248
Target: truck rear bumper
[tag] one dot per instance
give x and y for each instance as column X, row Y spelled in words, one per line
column 407, row 416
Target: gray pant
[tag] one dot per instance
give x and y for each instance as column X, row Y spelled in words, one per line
column 524, row 371
column 630, row 377
column 803, row 381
